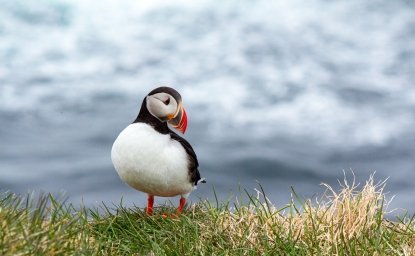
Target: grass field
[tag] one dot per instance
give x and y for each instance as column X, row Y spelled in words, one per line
column 350, row 221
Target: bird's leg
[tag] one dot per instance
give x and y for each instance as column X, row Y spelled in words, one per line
column 179, row 209
column 181, row 205
column 150, row 202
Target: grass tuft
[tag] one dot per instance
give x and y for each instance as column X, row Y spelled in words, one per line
column 42, row 226
column 350, row 221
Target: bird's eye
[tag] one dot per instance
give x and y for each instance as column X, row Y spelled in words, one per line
column 166, row 102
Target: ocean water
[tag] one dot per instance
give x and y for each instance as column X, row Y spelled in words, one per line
column 281, row 93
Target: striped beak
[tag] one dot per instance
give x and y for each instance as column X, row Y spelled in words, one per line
column 179, row 120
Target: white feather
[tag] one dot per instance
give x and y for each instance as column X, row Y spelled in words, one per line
column 151, row 162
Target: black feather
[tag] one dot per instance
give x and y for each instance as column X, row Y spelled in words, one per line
column 193, row 163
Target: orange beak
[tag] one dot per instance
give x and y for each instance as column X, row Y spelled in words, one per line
column 179, row 122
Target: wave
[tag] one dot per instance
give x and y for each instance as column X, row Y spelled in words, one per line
column 317, row 70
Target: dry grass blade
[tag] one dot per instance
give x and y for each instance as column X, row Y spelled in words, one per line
column 336, row 218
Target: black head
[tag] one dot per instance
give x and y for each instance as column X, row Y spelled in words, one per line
column 161, row 106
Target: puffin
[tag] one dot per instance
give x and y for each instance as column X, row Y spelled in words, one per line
column 150, row 157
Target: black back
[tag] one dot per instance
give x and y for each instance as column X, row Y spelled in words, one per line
column 193, row 163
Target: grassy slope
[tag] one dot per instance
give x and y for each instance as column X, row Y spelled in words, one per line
column 348, row 222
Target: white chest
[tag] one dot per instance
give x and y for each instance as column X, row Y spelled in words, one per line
column 151, row 162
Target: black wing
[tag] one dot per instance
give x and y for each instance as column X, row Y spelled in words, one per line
column 193, row 163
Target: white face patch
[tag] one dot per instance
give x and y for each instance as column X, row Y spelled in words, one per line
column 161, row 105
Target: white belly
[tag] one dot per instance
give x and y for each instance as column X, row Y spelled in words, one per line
column 151, row 162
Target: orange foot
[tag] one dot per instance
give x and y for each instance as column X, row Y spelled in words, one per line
column 179, row 210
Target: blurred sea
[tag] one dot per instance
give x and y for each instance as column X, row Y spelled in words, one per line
column 286, row 93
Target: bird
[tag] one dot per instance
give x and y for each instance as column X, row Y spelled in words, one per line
column 150, row 157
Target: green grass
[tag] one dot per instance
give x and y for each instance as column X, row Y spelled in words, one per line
column 350, row 221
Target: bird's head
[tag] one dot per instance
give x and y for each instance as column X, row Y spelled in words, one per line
column 165, row 104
